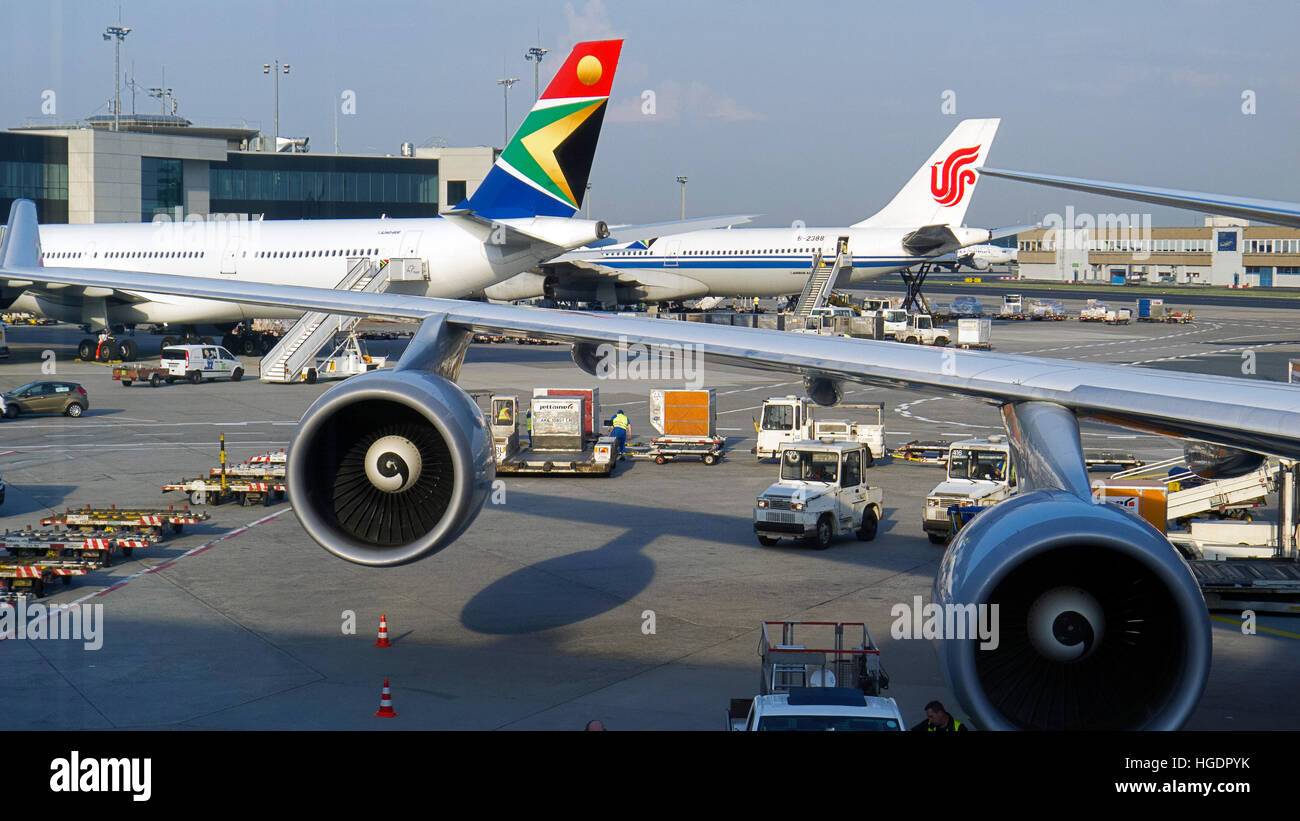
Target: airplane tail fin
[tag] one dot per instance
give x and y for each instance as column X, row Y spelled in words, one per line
column 544, row 169
column 22, row 242
column 941, row 190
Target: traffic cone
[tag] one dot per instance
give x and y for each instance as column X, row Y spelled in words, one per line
column 383, row 633
column 385, row 704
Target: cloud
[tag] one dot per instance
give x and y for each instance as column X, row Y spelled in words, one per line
column 592, row 23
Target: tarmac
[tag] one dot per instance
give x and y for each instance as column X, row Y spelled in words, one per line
column 634, row 599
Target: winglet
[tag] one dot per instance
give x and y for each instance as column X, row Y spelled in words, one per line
column 22, row 242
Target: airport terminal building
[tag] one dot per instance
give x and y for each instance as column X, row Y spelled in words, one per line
column 1223, row 252
column 154, row 164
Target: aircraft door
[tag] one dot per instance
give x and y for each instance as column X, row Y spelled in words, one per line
column 674, row 248
column 228, row 256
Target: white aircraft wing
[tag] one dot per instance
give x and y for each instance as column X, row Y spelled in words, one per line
column 650, row 230
column 1276, row 212
column 1249, row 414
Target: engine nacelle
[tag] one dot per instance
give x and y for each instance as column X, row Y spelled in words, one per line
column 390, row 466
column 823, row 391
column 1101, row 624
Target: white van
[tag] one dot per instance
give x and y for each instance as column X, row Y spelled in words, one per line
column 199, row 362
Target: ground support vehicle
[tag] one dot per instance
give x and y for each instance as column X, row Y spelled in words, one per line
column 784, row 419
column 558, row 444
column 933, row 452
column 826, row 686
column 159, row 521
column 687, row 423
column 921, row 330
column 980, row 474
column 96, row 546
column 28, row 577
column 1013, row 307
column 129, row 372
column 820, row 494
column 216, row 491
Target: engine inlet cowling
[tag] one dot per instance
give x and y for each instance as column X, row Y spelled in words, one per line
column 1100, row 623
column 390, row 467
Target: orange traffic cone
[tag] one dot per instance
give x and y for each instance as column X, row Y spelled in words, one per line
column 383, row 633
column 385, row 704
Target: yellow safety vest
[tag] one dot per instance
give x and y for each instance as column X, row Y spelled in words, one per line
column 620, row 421
column 956, row 725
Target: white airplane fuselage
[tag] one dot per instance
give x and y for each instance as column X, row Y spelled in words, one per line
column 750, row 262
column 288, row 252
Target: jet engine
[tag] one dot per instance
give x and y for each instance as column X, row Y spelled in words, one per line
column 1100, row 623
column 390, row 466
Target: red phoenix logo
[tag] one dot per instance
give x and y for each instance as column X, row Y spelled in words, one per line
column 949, row 185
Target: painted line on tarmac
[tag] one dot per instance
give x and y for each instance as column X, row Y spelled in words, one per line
column 1270, row 630
column 191, row 552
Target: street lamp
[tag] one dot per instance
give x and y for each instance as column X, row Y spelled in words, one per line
column 279, row 69
column 505, row 95
column 682, row 180
column 117, row 34
column 535, row 54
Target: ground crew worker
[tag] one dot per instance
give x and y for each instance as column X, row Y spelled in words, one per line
column 504, row 416
column 99, row 346
column 937, row 719
column 619, row 427
column 528, row 418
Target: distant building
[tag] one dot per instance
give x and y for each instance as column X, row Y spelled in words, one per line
column 159, row 163
column 1223, row 252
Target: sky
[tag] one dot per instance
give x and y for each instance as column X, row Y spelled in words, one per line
column 816, row 111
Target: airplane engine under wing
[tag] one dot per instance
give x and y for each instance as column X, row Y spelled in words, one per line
column 390, row 466
column 1101, row 625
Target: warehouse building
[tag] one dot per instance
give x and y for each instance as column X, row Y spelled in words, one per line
column 156, row 164
column 1223, row 252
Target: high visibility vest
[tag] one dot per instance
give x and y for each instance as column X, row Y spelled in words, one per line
column 620, row 421
column 956, row 725
column 504, row 415
column 529, row 419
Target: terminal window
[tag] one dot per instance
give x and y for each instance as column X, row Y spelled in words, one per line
column 160, row 186
column 455, row 192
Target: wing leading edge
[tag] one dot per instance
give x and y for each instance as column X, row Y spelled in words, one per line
column 1251, row 414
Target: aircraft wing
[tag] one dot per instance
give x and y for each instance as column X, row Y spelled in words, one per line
column 1249, row 414
column 650, row 230
column 1275, row 212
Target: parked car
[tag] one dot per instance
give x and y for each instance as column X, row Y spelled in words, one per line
column 67, row 398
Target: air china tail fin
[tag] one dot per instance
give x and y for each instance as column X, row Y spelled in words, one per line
column 940, row 191
column 544, row 169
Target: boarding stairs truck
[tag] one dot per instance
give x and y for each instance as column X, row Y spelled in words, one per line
column 813, row 681
column 822, row 278
column 1239, row 565
column 980, row 474
column 821, row 493
column 293, row 359
column 687, row 421
column 784, row 419
column 559, row 443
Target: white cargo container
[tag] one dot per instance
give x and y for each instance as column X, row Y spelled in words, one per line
column 974, row 333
